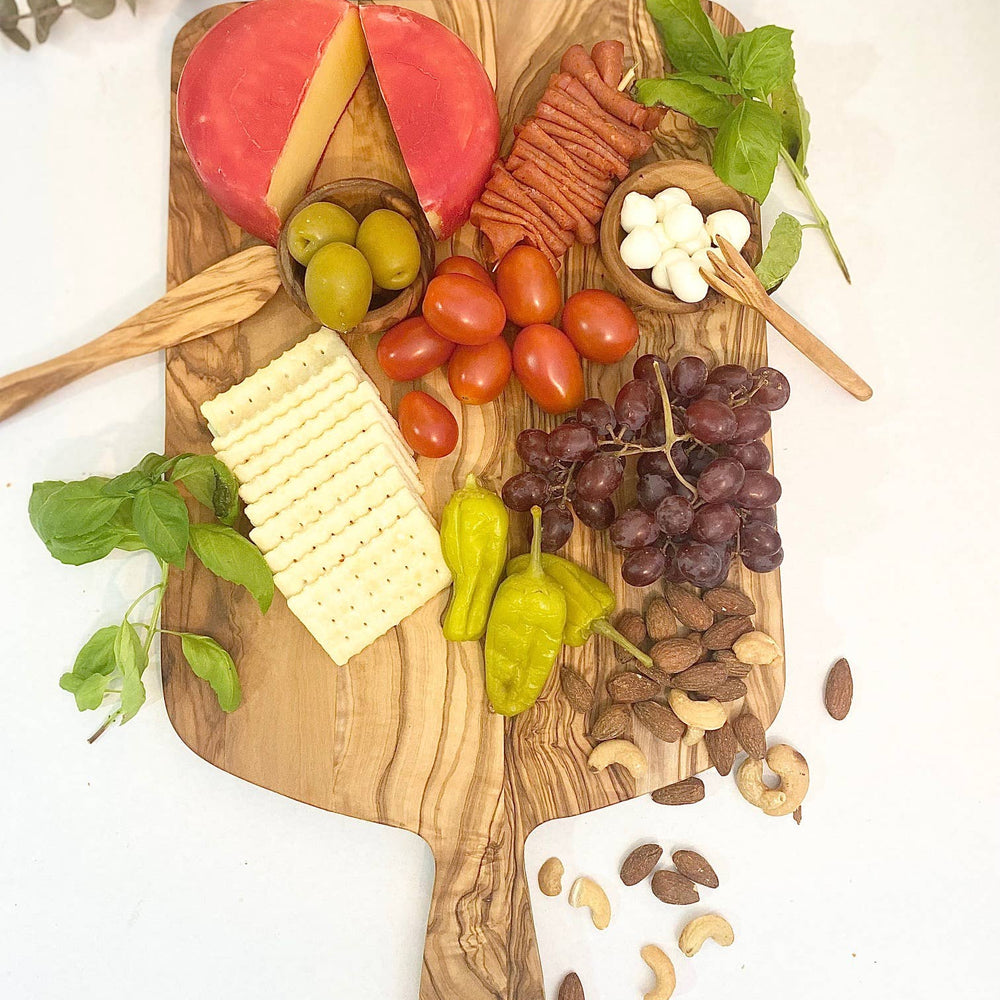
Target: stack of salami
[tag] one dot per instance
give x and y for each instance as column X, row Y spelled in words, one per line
column 552, row 188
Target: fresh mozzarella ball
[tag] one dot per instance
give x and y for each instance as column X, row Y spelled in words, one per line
column 660, row 276
column 668, row 198
column 666, row 243
column 641, row 248
column 685, row 281
column 699, row 241
column 637, row 210
column 731, row 225
column 683, row 222
column 700, row 259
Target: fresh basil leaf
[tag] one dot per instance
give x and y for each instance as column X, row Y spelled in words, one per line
column 154, row 465
column 791, row 111
column 97, row 656
column 95, row 9
column 127, row 484
column 88, row 691
column 131, row 660
column 783, row 248
column 212, row 663
column 762, row 60
column 227, row 554
column 708, row 83
column 210, row 483
column 65, row 509
column 687, row 98
column 46, row 13
column 746, row 149
column 161, row 519
column 76, row 550
column 688, row 37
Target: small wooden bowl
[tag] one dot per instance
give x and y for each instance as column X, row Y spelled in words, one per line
column 361, row 196
column 708, row 193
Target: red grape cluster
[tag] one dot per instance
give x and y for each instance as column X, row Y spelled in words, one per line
column 703, row 490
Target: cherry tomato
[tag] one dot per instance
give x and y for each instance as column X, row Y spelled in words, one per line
column 428, row 426
column 601, row 325
column 463, row 310
column 549, row 368
column 528, row 287
column 464, row 265
column 411, row 349
column 478, row 375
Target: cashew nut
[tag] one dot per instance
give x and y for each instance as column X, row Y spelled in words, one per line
column 550, row 877
column 666, row 979
column 586, row 892
column 710, row 714
column 692, row 735
column 699, row 930
column 622, row 752
column 757, row 648
column 792, row 770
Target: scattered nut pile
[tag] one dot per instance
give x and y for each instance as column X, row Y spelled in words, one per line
column 703, row 650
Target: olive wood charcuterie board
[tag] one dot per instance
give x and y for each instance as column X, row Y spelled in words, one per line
column 404, row 735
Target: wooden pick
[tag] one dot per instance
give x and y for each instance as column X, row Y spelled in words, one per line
column 219, row 297
column 735, row 279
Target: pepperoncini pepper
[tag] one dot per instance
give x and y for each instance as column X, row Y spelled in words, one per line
column 474, row 544
column 589, row 603
column 525, row 632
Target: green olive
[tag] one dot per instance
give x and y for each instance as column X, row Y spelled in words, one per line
column 318, row 224
column 390, row 245
column 339, row 286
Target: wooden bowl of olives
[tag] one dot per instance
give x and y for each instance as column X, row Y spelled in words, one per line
column 356, row 255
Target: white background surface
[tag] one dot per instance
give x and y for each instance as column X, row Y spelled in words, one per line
column 132, row 868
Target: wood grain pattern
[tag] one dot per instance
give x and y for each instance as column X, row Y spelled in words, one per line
column 224, row 294
column 404, row 735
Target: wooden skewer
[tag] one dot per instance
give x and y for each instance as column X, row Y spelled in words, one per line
column 220, row 296
column 735, row 279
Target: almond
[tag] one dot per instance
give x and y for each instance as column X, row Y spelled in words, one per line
column 571, row 988
column 631, row 625
column 734, row 667
column 727, row 601
column 629, row 687
column 750, row 734
column 672, row 887
column 578, row 692
column 731, row 689
column 611, row 723
column 681, row 793
column 660, row 620
column 722, row 747
column 640, row 863
column 689, row 609
column 660, row 720
column 724, row 633
column 692, row 865
column 702, row 677
column 671, row 656
column 839, row 690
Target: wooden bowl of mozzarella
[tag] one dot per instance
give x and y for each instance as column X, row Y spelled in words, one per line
column 707, row 193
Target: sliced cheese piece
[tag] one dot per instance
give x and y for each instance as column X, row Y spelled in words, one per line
column 329, row 508
column 375, row 589
column 260, row 96
column 331, row 551
column 343, row 443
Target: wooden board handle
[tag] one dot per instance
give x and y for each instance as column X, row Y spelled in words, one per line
column 219, row 297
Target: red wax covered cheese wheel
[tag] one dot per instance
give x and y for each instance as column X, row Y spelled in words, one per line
column 442, row 107
column 259, row 98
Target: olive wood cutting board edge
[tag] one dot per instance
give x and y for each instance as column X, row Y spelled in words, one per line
column 404, row 735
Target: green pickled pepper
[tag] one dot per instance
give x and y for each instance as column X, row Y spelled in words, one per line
column 525, row 632
column 474, row 544
column 590, row 602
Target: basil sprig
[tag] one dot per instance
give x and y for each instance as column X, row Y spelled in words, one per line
column 144, row 510
column 744, row 86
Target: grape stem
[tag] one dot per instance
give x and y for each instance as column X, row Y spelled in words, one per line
column 668, row 430
column 602, row 627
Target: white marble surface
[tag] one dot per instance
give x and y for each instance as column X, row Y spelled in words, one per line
column 132, row 868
